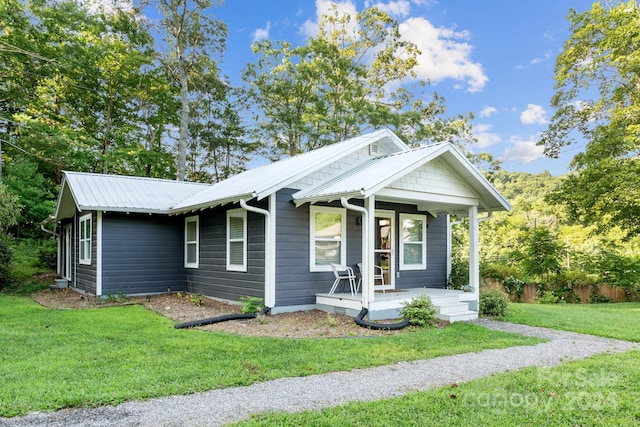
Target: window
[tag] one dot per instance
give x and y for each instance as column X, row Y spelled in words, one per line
column 413, row 235
column 191, row 241
column 328, row 238
column 237, row 240
column 85, row 239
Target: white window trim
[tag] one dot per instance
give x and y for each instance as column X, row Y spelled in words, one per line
column 187, row 220
column 84, row 218
column 235, row 213
column 312, row 236
column 423, row 264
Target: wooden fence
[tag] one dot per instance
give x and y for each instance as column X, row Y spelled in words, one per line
column 583, row 292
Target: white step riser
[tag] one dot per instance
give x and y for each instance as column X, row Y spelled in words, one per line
column 453, row 308
column 459, row 317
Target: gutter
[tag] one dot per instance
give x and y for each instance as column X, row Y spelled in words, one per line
column 269, row 253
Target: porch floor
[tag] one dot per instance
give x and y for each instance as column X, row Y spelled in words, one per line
column 451, row 304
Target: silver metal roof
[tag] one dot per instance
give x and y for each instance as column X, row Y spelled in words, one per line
column 91, row 191
column 378, row 173
column 265, row 180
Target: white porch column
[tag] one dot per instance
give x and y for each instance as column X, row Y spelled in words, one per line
column 474, row 256
column 368, row 258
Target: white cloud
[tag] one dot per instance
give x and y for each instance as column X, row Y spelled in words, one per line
column 445, row 54
column 262, row 33
column 399, row 8
column 523, row 150
column 487, row 111
column 323, row 7
column 484, row 136
column 547, row 56
column 533, row 115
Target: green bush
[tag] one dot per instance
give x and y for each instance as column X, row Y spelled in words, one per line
column 5, row 265
column 548, row 297
column 513, row 286
column 420, row 311
column 251, row 304
column 498, row 271
column 494, row 302
column 47, row 254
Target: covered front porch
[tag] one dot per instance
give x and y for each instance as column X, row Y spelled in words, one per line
column 453, row 305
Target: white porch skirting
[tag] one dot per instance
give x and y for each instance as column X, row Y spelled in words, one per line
column 453, row 305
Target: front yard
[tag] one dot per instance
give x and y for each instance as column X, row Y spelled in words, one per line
column 54, row 359
column 598, row 391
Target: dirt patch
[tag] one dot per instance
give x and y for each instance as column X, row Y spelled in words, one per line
column 184, row 308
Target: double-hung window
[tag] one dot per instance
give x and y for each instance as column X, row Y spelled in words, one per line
column 85, row 240
column 413, row 237
column 328, row 237
column 237, row 240
column 191, row 241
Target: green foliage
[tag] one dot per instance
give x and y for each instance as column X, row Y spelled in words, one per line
column 196, row 299
column 5, row 265
column 513, row 286
column 34, row 193
column 251, row 304
column 343, row 79
column 47, row 254
column 9, row 208
column 541, row 253
column 494, row 302
column 36, row 351
column 420, row 311
column 599, row 102
column 548, row 297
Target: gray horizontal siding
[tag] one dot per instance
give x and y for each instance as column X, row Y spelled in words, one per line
column 212, row 278
column 296, row 285
column 142, row 254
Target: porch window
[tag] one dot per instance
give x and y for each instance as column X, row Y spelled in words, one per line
column 191, row 242
column 328, row 237
column 85, row 240
column 413, row 235
column 237, row 240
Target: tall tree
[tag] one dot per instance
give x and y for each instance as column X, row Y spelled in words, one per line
column 598, row 99
column 190, row 35
column 347, row 78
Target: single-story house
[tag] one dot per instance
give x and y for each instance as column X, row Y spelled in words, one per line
column 273, row 231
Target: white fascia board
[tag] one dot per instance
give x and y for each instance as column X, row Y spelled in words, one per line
column 212, row 204
column 415, row 196
column 326, row 198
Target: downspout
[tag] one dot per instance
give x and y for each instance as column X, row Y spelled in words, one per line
column 365, row 248
column 269, row 253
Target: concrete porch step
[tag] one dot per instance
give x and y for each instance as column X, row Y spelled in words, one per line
column 452, row 307
column 458, row 316
column 442, row 300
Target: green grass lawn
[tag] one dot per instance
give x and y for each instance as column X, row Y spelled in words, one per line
column 56, row 359
column 621, row 320
column 598, row 391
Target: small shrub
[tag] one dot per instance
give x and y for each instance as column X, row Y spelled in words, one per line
column 5, row 265
column 419, row 311
column 196, row 299
column 251, row 304
column 331, row 321
column 494, row 302
column 548, row 297
column 513, row 286
column 47, row 254
column 600, row 299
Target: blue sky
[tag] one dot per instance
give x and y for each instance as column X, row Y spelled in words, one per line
column 493, row 58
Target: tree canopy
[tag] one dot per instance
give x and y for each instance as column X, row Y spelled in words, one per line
column 597, row 99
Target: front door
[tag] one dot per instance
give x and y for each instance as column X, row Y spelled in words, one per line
column 384, row 251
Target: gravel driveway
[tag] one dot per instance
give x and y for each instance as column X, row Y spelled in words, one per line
column 218, row 407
